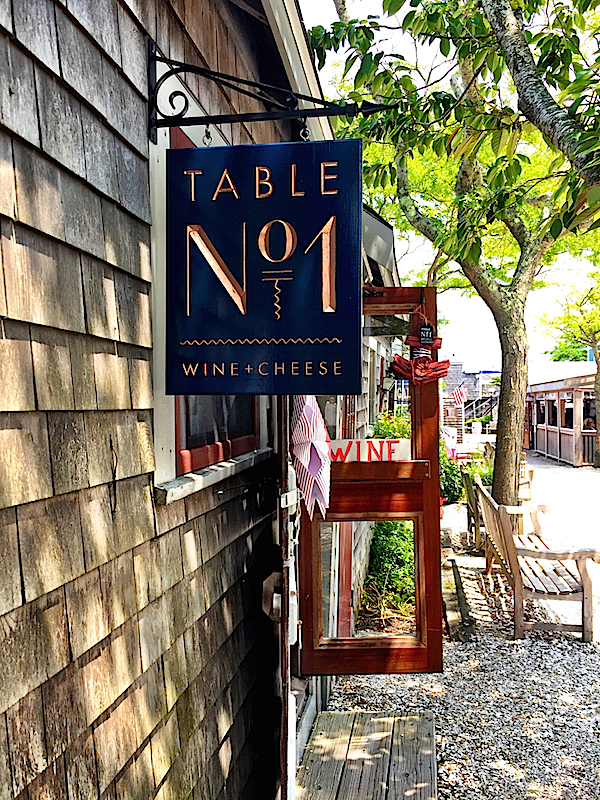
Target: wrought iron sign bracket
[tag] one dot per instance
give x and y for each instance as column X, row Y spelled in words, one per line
column 280, row 103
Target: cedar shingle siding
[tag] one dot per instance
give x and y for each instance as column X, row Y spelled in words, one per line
column 135, row 658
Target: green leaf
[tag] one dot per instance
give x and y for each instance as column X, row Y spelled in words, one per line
column 593, row 195
column 496, row 141
column 475, row 251
column 392, row 7
column 556, row 228
column 511, row 145
column 445, row 46
column 406, row 22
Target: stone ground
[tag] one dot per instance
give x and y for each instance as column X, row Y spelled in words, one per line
column 513, row 719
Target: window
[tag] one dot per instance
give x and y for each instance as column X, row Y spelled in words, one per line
column 211, row 428
column 566, row 413
column 589, row 411
column 540, row 412
column 552, row 413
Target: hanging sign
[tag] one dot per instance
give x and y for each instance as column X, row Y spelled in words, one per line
column 264, row 269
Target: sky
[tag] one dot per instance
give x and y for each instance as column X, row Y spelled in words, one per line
column 470, row 334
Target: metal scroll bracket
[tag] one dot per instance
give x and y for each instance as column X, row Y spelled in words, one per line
column 279, row 103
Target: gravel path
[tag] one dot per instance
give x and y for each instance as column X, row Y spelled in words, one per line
column 514, row 720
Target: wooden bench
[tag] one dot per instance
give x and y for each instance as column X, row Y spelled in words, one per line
column 474, row 518
column 534, row 570
column 359, row 755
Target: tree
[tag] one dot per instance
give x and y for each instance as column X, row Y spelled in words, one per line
column 515, row 116
column 580, row 322
column 568, row 350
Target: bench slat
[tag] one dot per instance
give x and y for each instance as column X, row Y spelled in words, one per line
column 568, row 577
column 559, row 577
column 530, row 579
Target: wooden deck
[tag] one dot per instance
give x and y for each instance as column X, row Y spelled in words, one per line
column 360, row 755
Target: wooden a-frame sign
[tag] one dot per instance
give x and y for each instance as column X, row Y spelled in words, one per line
column 408, row 490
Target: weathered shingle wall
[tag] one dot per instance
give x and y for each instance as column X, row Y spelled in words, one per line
column 136, row 661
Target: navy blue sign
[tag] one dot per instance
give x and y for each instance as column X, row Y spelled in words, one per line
column 264, row 269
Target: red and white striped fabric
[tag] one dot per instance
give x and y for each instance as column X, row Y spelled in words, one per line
column 459, row 395
column 310, row 453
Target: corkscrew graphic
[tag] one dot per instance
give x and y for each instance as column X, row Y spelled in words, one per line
column 275, row 276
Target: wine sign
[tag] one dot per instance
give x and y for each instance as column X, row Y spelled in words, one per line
column 370, row 450
column 264, row 269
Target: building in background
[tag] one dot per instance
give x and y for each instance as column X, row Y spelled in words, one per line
column 561, row 417
column 482, row 392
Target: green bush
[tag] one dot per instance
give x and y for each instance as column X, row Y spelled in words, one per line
column 451, row 486
column 398, row 426
column 485, row 420
column 393, row 426
column 485, row 470
column 392, row 560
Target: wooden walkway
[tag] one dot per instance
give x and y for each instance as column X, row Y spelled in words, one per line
column 359, row 755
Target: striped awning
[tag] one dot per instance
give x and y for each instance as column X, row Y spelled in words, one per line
column 310, row 453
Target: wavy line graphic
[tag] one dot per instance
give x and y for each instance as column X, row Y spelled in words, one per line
column 277, row 299
column 325, row 340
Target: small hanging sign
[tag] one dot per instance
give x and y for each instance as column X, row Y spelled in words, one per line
column 426, row 334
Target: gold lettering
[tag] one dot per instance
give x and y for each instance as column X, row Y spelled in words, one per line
column 218, row 370
column 187, row 368
column 291, row 240
column 263, row 364
column 265, row 181
column 233, row 369
column 231, row 188
column 322, row 368
column 295, row 192
column 280, row 368
column 192, row 173
column 328, row 263
column 294, row 367
column 197, row 234
column 337, row 367
column 325, row 177
column 308, row 367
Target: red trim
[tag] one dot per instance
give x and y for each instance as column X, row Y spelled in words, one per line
column 190, row 460
column 179, row 140
column 345, row 580
column 199, row 457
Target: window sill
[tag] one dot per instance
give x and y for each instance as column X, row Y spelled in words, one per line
column 192, row 482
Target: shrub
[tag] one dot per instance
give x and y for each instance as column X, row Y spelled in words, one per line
column 451, row 486
column 392, row 560
column 485, row 471
column 393, row 426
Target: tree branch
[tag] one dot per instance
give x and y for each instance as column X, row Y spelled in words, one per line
column 422, row 223
column 516, row 226
column 535, row 101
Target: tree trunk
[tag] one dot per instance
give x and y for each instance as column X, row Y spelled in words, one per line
column 511, row 409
